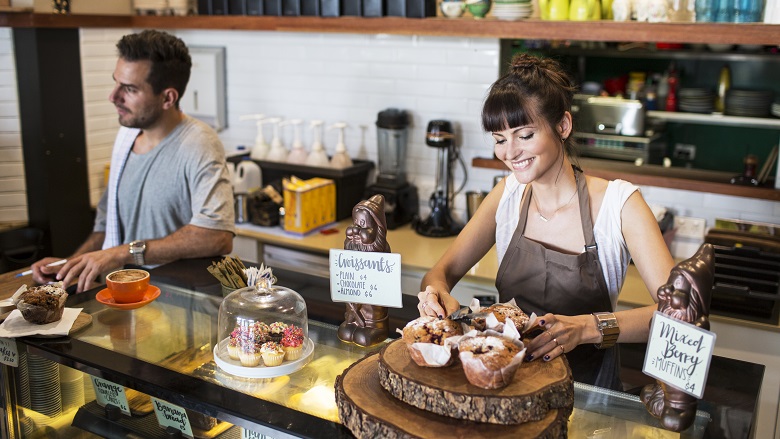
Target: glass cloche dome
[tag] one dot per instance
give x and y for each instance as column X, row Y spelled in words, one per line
column 263, row 330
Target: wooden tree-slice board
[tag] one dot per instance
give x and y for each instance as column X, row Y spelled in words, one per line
column 537, row 387
column 367, row 410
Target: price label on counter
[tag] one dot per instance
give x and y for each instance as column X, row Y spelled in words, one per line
column 249, row 434
column 679, row 354
column 170, row 415
column 107, row 392
column 373, row 278
column 9, row 355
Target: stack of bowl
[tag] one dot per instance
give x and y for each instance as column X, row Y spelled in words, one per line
column 512, row 9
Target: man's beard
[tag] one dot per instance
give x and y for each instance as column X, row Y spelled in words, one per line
column 147, row 118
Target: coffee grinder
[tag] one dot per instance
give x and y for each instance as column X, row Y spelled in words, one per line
column 440, row 135
column 401, row 200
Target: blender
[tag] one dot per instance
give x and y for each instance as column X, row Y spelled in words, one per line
column 401, row 200
column 439, row 223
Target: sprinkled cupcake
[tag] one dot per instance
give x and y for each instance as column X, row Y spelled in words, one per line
column 292, row 342
column 277, row 331
column 249, row 355
column 272, row 353
column 233, row 344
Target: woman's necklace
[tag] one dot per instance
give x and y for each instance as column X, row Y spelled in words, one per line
column 549, row 217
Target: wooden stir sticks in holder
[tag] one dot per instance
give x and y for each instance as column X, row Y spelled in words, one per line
column 229, row 272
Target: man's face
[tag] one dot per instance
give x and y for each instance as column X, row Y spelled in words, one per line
column 137, row 105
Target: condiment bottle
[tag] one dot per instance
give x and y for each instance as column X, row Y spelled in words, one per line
column 724, row 84
column 260, row 150
column 671, row 97
column 317, row 156
column 298, row 154
column 340, row 159
column 278, row 152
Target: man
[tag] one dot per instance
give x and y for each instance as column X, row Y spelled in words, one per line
column 169, row 196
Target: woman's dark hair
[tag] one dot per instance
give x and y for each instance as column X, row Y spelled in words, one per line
column 534, row 90
column 171, row 62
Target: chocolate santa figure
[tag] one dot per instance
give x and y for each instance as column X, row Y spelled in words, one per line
column 686, row 297
column 366, row 325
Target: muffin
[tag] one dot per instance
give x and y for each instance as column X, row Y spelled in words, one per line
column 292, row 343
column 42, row 304
column 503, row 311
column 276, row 331
column 248, row 355
column 432, row 331
column 490, row 362
column 272, row 353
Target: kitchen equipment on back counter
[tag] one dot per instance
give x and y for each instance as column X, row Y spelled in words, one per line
column 747, row 270
column 615, row 128
column 401, row 199
column 247, row 177
column 439, row 223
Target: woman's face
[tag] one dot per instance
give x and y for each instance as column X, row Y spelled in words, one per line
column 529, row 151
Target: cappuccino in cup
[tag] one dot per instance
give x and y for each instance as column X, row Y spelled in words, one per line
column 127, row 275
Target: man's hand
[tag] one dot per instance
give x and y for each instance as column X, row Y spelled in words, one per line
column 88, row 267
column 43, row 274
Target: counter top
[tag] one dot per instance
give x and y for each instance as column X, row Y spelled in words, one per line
column 143, row 349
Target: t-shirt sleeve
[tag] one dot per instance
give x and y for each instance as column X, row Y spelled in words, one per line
column 100, row 215
column 211, row 190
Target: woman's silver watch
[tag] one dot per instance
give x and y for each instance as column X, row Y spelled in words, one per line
column 607, row 324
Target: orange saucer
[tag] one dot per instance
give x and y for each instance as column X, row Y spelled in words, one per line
column 105, row 298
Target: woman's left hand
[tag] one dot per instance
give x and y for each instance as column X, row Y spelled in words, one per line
column 561, row 335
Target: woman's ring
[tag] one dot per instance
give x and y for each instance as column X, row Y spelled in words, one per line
column 563, row 351
column 424, row 305
column 556, row 341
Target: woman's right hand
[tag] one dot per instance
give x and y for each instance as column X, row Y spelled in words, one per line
column 436, row 304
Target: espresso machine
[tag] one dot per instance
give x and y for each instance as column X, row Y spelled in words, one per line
column 401, row 201
column 439, row 223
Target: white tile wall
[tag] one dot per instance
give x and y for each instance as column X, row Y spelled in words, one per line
column 13, row 201
column 344, row 77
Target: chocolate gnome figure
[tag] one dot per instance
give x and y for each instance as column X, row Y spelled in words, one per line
column 686, row 297
column 366, row 325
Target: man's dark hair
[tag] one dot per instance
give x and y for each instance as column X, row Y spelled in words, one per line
column 171, row 62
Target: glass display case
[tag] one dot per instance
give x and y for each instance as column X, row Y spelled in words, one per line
column 165, row 350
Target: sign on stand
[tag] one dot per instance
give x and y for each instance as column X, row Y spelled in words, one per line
column 679, row 354
column 372, row 278
column 9, row 355
column 171, row 415
column 107, row 392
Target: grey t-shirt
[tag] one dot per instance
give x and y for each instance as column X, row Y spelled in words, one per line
column 183, row 180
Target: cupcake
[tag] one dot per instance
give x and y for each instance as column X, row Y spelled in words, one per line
column 272, row 353
column 249, row 355
column 277, row 331
column 490, row 362
column 429, row 332
column 233, row 344
column 292, row 343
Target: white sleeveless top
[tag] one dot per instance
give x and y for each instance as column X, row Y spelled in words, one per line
column 613, row 252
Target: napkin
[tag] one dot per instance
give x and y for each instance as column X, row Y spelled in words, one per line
column 16, row 326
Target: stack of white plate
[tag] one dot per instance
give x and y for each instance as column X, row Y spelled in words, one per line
column 71, row 388
column 45, row 396
column 696, row 100
column 751, row 103
column 159, row 7
column 512, row 9
column 776, row 109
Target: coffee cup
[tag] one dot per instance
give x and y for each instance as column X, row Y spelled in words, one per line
column 128, row 286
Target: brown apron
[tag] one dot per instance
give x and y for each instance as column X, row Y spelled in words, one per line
column 543, row 280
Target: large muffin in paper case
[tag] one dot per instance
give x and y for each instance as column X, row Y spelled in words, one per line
column 42, row 304
column 491, row 358
column 430, row 340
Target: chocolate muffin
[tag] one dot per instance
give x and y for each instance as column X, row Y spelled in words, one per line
column 42, row 304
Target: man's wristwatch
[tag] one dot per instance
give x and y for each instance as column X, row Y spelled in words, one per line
column 137, row 249
column 608, row 326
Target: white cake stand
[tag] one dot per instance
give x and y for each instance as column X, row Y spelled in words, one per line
column 234, row 367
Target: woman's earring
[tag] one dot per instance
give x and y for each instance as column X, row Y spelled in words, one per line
column 563, row 139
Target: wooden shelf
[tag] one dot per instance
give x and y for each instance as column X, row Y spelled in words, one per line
column 713, row 33
column 717, row 119
column 652, row 175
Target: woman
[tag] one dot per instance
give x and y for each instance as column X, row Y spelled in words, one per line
column 563, row 239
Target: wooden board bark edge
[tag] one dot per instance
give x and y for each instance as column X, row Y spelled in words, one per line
column 479, row 408
column 376, row 421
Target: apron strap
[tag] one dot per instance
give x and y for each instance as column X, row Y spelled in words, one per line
column 584, row 199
